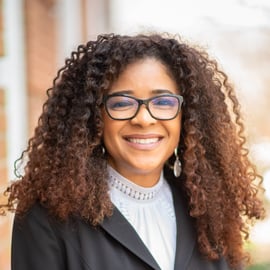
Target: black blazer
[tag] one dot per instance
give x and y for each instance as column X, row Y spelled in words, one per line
column 40, row 243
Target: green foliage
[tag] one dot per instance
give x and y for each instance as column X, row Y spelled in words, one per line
column 259, row 267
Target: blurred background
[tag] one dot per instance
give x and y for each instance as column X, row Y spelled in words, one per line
column 37, row 35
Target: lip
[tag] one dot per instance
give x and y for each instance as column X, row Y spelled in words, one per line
column 143, row 141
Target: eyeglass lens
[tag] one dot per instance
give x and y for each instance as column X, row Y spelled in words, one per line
column 163, row 107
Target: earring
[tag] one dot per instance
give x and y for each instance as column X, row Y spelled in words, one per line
column 177, row 166
column 103, row 150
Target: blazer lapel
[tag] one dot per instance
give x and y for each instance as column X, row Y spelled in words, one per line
column 186, row 235
column 121, row 230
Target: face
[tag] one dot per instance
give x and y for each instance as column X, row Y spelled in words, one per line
column 138, row 148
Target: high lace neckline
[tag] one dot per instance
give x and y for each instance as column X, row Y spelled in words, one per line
column 150, row 211
column 132, row 190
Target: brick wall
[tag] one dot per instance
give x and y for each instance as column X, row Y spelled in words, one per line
column 40, row 31
column 5, row 223
column 40, row 25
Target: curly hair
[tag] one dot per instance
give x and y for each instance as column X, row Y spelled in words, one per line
column 66, row 171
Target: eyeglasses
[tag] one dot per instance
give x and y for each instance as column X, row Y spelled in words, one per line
column 123, row 107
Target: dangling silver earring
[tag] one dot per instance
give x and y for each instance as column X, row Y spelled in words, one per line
column 177, row 166
column 103, row 150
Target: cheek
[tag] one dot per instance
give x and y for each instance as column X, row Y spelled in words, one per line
column 106, row 127
column 175, row 128
column 108, row 130
column 108, row 123
column 111, row 131
column 109, row 138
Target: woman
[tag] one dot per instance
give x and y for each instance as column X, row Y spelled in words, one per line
column 137, row 162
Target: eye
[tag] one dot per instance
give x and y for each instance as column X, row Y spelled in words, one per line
column 164, row 101
column 120, row 103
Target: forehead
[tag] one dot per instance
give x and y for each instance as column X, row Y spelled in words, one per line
column 145, row 68
column 146, row 61
column 143, row 78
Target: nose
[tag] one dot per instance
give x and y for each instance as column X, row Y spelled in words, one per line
column 143, row 117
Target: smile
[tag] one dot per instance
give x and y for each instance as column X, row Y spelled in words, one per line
column 143, row 141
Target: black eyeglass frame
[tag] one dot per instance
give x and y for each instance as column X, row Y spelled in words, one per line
column 145, row 102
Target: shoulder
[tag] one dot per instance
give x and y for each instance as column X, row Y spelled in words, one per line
column 35, row 222
column 38, row 227
column 39, row 222
column 36, row 214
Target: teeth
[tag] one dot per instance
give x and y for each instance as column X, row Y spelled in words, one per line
column 143, row 141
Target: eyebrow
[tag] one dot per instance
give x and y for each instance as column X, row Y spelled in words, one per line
column 130, row 92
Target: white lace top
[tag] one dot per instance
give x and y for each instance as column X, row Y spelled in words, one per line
column 151, row 212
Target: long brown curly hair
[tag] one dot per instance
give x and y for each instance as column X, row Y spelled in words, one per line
column 65, row 168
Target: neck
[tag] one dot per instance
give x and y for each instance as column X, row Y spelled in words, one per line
column 139, row 177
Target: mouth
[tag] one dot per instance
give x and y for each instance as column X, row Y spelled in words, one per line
column 143, row 141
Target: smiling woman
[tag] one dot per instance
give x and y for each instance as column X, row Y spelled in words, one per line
column 137, row 162
column 139, row 148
